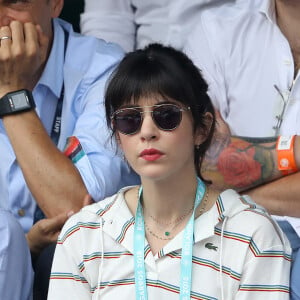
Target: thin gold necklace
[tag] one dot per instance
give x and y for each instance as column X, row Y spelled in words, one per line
column 176, row 221
column 168, row 233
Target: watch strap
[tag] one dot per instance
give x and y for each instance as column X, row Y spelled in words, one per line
column 7, row 105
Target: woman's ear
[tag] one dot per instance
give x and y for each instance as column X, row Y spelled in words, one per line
column 201, row 134
column 118, row 140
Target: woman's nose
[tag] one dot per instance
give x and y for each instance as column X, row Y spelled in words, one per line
column 149, row 129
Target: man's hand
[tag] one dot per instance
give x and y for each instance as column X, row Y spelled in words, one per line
column 22, row 56
column 46, row 231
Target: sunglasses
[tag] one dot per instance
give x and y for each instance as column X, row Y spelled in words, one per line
column 129, row 120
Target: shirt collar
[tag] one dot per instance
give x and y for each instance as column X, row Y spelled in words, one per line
column 118, row 221
column 52, row 76
column 267, row 8
column 119, row 224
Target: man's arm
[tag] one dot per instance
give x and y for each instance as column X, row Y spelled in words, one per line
column 249, row 165
column 280, row 197
column 49, row 174
column 240, row 162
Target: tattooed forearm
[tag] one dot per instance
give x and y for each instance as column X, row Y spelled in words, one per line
column 240, row 162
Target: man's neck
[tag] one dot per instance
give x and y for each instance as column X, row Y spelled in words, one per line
column 288, row 20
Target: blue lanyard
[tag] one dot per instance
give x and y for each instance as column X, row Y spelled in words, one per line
column 56, row 126
column 186, row 256
column 55, row 133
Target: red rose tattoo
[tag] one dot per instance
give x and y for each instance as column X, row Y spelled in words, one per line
column 238, row 165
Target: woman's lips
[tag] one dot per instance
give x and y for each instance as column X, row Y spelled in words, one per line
column 151, row 154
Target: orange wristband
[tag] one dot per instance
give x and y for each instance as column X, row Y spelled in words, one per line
column 285, row 154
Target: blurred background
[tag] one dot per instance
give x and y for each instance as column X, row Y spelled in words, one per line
column 71, row 12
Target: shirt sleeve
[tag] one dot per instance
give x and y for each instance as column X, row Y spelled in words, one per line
column 96, row 156
column 266, row 270
column 112, row 21
column 16, row 275
column 67, row 279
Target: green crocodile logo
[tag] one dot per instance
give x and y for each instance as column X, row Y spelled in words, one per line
column 211, row 246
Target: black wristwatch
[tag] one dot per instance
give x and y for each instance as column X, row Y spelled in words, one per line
column 16, row 102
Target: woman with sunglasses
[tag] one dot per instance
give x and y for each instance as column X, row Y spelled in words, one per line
column 173, row 236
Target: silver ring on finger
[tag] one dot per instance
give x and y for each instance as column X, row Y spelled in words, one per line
column 5, row 38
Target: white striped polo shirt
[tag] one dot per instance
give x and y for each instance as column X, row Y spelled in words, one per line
column 94, row 255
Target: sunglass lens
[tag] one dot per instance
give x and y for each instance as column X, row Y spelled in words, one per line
column 127, row 121
column 167, row 117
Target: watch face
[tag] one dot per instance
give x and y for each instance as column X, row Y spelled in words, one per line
column 20, row 101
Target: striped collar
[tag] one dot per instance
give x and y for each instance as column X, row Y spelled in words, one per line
column 119, row 222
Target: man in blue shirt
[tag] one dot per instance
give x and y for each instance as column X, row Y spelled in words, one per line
column 52, row 156
column 54, row 145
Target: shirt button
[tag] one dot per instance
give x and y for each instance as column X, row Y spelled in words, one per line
column 292, row 101
column 287, row 62
column 21, row 212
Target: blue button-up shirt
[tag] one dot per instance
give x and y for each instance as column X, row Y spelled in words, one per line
column 82, row 64
column 16, row 275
